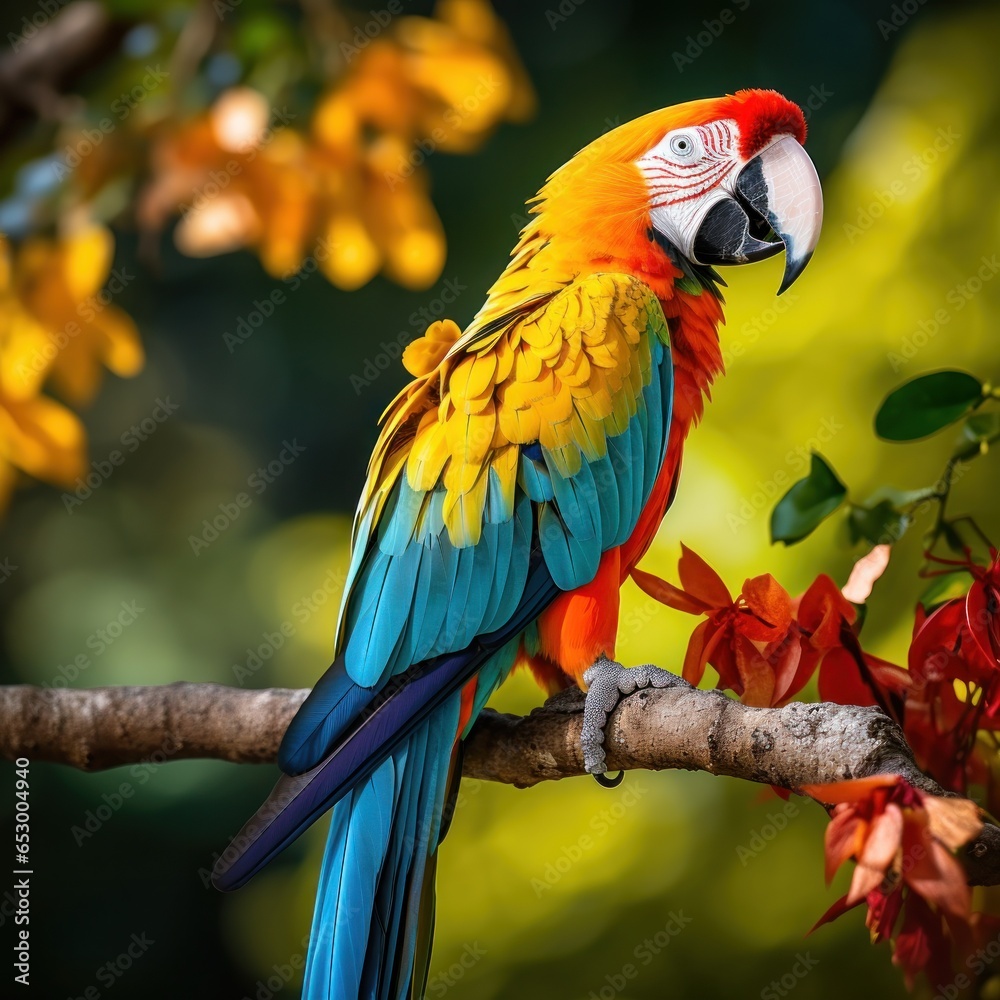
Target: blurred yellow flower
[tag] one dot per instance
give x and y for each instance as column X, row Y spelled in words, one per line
column 351, row 190
column 57, row 324
column 66, row 287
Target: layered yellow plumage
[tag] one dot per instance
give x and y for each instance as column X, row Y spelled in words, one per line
column 566, row 374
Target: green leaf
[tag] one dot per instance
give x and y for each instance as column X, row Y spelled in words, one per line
column 983, row 426
column 944, row 588
column 879, row 524
column 807, row 503
column 927, row 403
column 978, row 429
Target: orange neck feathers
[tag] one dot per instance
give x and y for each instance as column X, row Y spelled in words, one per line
column 592, row 215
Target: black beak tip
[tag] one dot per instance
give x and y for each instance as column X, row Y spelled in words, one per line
column 794, row 266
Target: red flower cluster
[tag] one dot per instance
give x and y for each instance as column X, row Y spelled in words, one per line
column 901, row 840
column 954, row 662
column 765, row 646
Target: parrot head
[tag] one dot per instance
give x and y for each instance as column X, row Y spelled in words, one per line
column 711, row 182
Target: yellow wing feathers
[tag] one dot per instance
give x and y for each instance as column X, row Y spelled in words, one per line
column 566, row 374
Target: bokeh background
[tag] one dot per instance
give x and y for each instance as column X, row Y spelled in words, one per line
column 706, row 885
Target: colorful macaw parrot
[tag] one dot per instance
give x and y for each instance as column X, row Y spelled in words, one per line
column 517, row 481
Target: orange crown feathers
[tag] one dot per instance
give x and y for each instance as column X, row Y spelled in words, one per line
column 759, row 115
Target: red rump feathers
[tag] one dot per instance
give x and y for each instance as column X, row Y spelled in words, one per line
column 761, row 115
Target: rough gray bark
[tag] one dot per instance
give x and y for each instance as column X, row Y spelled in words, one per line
column 653, row 729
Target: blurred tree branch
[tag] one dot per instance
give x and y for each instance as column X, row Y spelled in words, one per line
column 43, row 62
column 655, row 729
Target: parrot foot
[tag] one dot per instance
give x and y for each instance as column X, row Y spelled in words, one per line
column 607, row 683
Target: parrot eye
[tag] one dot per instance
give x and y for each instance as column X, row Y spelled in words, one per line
column 681, row 145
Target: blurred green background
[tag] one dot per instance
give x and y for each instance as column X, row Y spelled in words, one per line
column 552, row 891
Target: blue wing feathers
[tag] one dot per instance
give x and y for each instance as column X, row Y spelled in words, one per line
column 534, row 479
column 608, row 502
column 571, row 561
column 332, row 705
column 507, row 589
column 578, row 502
column 460, row 624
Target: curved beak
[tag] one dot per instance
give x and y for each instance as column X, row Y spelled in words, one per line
column 776, row 202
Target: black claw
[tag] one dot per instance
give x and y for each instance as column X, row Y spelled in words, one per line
column 605, row 782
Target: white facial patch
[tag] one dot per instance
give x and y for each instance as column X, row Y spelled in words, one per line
column 685, row 173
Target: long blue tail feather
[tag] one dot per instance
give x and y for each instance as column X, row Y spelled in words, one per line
column 367, row 917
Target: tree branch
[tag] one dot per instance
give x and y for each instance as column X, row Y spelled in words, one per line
column 653, row 729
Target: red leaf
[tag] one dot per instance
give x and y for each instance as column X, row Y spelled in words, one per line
column 844, row 837
column 794, row 668
column 770, row 602
column 937, row 631
column 853, row 790
column 838, row 909
column 883, row 911
column 921, row 945
column 884, row 837
column 695, row 658
column 840, row 680
column 756, row 674
column 980, row 617
column 931, row 871
column 701, row 581
column 668, row 594
column 822, row 610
